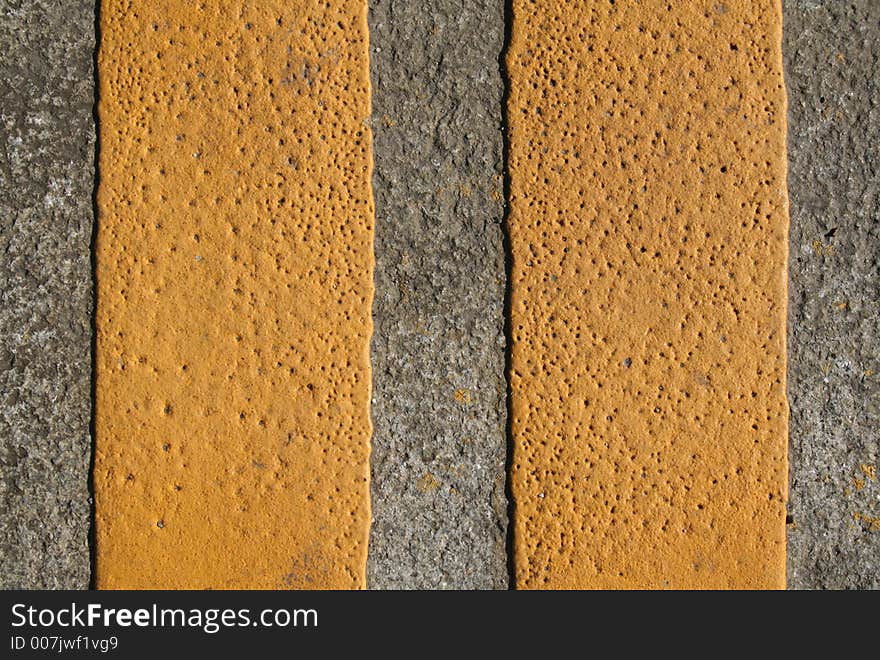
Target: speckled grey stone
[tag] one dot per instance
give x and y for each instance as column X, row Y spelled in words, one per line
column 46, row 180
column 439, row 408
column 832, row 56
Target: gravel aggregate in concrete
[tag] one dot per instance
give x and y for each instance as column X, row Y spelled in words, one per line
column 832, row 55
column 439, row 412
column 46, row 184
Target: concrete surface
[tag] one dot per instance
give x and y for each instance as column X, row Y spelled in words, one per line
column 648, row 228
column 46, row 178
column 235, row 283
column 832, row 52
column 438, row 475
column 438, row 348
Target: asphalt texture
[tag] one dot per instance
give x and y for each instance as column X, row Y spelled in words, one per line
column 46, row 184
column 438, row 350
column 439, row 390
column 832, row 55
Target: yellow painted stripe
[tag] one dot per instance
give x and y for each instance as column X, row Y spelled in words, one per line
column 648, row 229
column 234, row 266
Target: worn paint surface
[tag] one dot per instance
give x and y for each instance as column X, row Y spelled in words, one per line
column 234, row 267
column 648, row 228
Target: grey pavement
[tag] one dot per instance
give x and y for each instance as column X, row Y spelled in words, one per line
column 46, row 183
column 832, row 56
column 439, row 447
column 439, row 411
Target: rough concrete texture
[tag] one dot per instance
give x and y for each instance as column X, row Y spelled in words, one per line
column 46, row 170
column 438, row 461
column 832, row 52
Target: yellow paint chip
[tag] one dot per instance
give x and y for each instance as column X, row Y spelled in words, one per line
column 648, row 228
column 823, row 250
column 873, row 522
column 428, row 483
column 234, row 269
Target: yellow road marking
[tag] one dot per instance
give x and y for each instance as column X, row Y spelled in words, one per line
column 234, row 267
column 648, row 227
